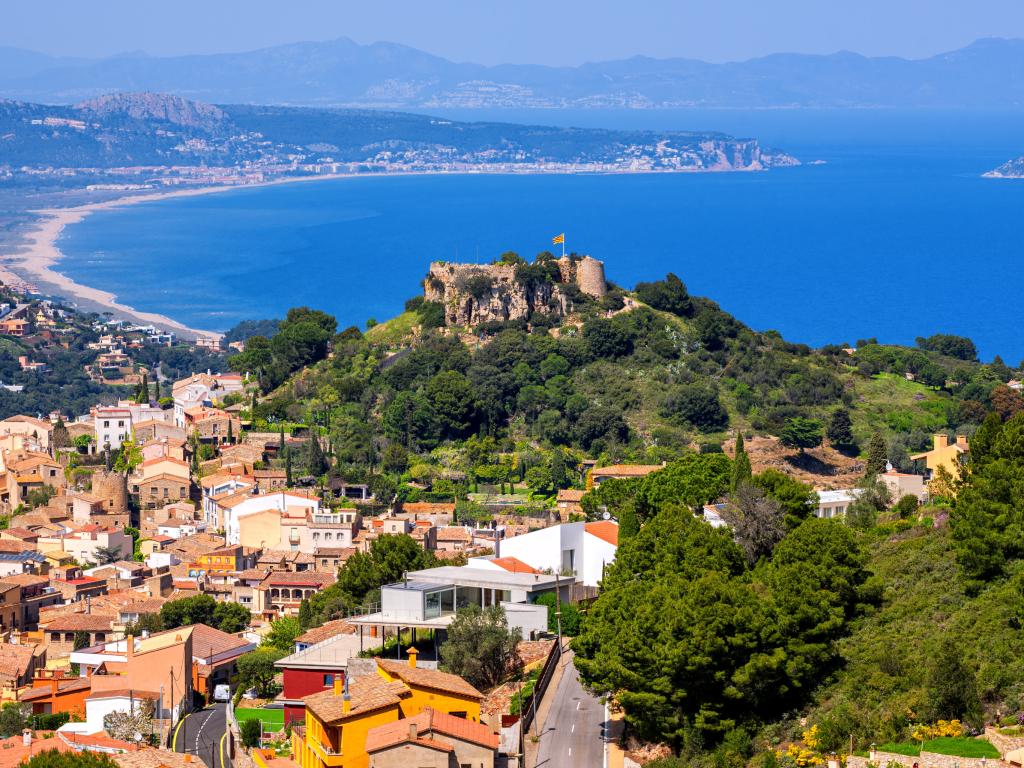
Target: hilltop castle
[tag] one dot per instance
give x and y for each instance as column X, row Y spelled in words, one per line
column 472, row 294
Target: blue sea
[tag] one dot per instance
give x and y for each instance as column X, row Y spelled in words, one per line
column 893, row 235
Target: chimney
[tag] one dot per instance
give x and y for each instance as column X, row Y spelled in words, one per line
column 129, row 644
column 346, row 701
column 26, row 737
column 338, row 685
column 414, row 732
column 961, row 440
column 941, row 441
column 413, row 653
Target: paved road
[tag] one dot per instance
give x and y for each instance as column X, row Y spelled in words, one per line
column 203, row 733
column 573, row 734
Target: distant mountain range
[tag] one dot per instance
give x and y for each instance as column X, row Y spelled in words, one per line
column 986, row 74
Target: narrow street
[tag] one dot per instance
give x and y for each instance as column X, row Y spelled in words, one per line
column 573, row 733
column 202, row 733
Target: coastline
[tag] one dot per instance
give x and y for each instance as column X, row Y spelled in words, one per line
column 35, row 260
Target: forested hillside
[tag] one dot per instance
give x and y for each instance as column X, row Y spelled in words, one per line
column 718, row 642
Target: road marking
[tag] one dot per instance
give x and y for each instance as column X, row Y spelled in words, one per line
column 222, row 740
column 570, row 751
column 573, row 729
column 577, row 706
column 174, row 741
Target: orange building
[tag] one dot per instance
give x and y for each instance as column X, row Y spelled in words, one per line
column 339, row 720
column 53, row 693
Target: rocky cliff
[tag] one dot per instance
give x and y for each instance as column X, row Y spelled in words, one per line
column 472, row 294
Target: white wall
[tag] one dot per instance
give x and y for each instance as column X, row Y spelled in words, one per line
column 529, row 618
column 597, row 554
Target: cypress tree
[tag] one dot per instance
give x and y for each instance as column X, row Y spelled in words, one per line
column 318, row 464
column 231, row 431
column 741, row 472
column 288, row 467
column 280, row 440
column 144, row 389
column 840, row 430
column 878, row 455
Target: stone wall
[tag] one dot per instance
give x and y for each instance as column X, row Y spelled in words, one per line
column 472, row 294
column 926, row 760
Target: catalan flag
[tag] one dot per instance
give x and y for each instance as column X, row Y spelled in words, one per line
column 558, row 239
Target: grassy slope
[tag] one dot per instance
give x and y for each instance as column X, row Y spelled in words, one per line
column 882, row 686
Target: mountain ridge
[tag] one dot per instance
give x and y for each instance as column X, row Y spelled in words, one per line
column 341, row 72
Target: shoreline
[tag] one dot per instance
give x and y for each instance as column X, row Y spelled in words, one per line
column 35, row 260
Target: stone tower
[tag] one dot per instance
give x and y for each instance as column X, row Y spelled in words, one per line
column 590, row 277
column 113, row 489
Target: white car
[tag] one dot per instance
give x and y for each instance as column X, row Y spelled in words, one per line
column 222, row 692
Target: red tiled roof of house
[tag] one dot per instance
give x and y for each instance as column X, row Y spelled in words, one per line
column 570, row 494
column 430, row 722
column 15, row 659
column 299, row 579
column 212, row 642
column 366, row 695
column 326, row 631
column 606, row 530
column 429, row 678
column 81, row 622
column 513, row 565
column 454, row 533
column 64, row 686
column 626, row 470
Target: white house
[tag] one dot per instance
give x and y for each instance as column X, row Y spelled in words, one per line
column 115, row 423
column 834, row 503
column 578, row 550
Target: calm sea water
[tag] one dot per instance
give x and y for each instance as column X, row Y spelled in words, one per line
column 894, row 236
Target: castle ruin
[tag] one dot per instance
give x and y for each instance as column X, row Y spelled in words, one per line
column 472, row 294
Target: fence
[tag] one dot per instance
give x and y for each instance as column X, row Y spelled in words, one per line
column 528, row 706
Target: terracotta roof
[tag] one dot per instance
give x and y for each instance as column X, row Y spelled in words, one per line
column 80, row 622
column 570, row 494
column 514, row 565
column 301, row 578
column 64, row 686
column 429, row 722
column 253, row 573
column 454, row 533
column 15, row 659
column 212, row 642
column 366, row 693
column 21, row 533
column 156, row 758
column 342, row 552
column 326, row 631
column 429, row 507
column 626, row 470
column 421, row 677
column 606, row 530
column 13, row 751
column 25, row 579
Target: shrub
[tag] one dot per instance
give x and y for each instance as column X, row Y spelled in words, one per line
column 251, row 731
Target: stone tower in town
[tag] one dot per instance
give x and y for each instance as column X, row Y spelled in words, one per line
column 113, row 489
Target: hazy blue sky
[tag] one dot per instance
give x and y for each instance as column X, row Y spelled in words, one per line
column 523, row 31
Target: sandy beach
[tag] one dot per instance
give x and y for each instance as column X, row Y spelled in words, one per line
column 34, row 261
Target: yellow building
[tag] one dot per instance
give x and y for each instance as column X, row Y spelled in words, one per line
column 338, row 720
column 944, row 457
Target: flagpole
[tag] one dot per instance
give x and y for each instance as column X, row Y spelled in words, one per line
column 563, row 245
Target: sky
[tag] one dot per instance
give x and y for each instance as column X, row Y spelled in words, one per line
column 556, row 32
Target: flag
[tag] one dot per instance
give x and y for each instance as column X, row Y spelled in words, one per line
column 558, row 239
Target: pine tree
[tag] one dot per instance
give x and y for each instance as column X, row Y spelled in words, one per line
column 629, row 526
column 741, row 472
column 952, row 687
column 878, row 455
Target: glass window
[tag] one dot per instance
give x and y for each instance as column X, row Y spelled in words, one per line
column 328, row 679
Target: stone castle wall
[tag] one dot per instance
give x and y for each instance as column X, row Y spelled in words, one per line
column 113, row 489
column 479, row 293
